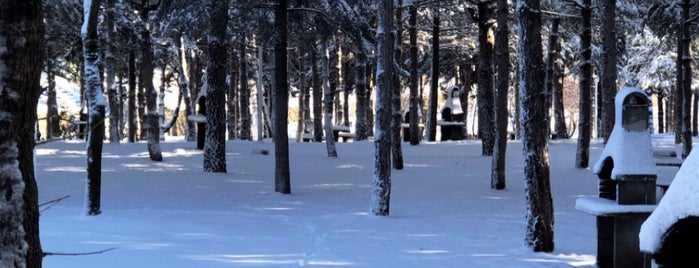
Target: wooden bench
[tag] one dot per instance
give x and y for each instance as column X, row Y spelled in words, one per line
column 342, row 131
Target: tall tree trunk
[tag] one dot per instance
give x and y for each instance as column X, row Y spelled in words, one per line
column 232, row 100
column 502, row 49
column 260, row 93
column 132, row 97
column 110, row 66
column 560, row 128
column 302, row 97
column 317, row 97
column 183, row 83
column 608, row 70
column 381, row 189
column 414, row 99
column 582, row 156
column 397, row 115
column 280, row 96
column 686, row 80
column 52, row 118
column 151, row 118
column 96, row 109
column 550, row 76
column 215, row 145
column 678, row 93
column 161, row 102
column 486, row 40
column 245, row 116
column 431, row 124
column 467, row 85
column 19, row 92
column 327, row 101
column 539, row 214
column 361, row 93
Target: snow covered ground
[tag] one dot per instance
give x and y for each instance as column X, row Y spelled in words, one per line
column 443, row 212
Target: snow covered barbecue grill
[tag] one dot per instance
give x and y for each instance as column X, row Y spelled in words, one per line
column 627, row 175
column 452, row 121
column 671, row 232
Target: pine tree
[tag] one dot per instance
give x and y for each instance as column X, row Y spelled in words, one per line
column 381, row 192
column 539, row 214
column 502, row 50
column 280, row 96
column 215, row 145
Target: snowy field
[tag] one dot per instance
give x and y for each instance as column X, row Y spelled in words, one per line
column 443, row 212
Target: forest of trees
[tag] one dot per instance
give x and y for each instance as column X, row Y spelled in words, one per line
column 531, row 69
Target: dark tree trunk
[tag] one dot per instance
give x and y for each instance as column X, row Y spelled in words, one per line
column 502, row 50
column 110, row 65
column 183, row 84
column 560, row 128
column 302, row 98
column 582, row 156
column 361, row 92
column 232, row 100
column 20, row 20
column 608, row 70
column 132, row 97
column 215, row 145
column 52, row 118
column 539, row 215
column 317, row 97
column 328, row 96
column 431, row 124
column 550, row 66
column 245, row 116
column 467, row 85
column 96, row 110
column 397, row 116
column 678, row 92
column 486, row 131
column 151, row 95
column 686, row 80
column 381, row 189
column 414, row 98
column 280, row 96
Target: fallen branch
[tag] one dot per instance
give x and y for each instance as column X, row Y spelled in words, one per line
column 52, row 203
column 78, row 254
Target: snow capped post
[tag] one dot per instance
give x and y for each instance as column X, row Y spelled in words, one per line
column 627, row 175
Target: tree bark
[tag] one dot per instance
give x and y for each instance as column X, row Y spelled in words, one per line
column 550, row 62
column 502, row 49
column 608, row 70
column 110, row 66
column 414, row 99
column 317, row 97
column 686, row 80
column 302, row 97
column 245, row 116
column 539, row 214
column 560, row 127
column 280, row 96
column 327, row 101
column 151, row 119
column 215, row 144
column 52, row 118
column 486, row 40
column 132, row 97
column 397, row 115
column 232, row 100
column 582, row 155
column 431, row 123
column 96, row 109
column 361, row 91
column 381, row 190
column 19, row 92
